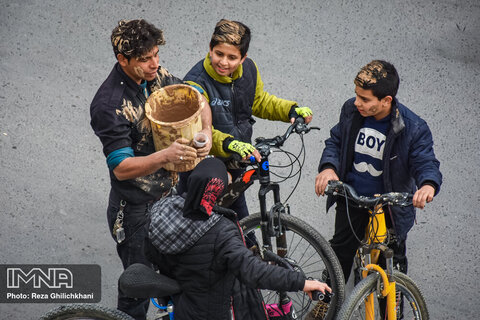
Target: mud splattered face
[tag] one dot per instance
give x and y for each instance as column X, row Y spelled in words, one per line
column 141, row 68
column 370, row 106
column 225, row 58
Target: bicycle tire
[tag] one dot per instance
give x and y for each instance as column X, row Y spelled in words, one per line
column 414, row 306
column 310, row 242
column 85, row 312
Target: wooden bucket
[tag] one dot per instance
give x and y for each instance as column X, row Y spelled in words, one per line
column 174, row 112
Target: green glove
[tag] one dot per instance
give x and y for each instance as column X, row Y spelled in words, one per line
column 242, row 148
column 303, row 111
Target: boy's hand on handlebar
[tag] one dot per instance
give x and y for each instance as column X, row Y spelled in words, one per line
column 312, row 285
column 244, row 149
column 322, row 179
column 423, row 195
column 256, row 154
column 304, row 112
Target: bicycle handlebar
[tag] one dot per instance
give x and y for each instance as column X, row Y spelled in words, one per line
column 339, row 188
column 263, row 145
column 298, row 127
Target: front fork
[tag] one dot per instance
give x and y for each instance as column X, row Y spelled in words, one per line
column 388, row 286
column 268, row 222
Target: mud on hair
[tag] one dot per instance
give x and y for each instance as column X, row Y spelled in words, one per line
column 231, row 32
column 135, row 38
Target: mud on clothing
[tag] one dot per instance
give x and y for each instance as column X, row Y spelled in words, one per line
column 118, row 119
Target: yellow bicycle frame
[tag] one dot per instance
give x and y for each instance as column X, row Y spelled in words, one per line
column 376, row 232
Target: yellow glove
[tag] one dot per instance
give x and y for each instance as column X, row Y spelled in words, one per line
column 242, row 148
column 303, row 112
column 296, row 112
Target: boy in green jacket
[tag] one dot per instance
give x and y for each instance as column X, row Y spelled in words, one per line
column 232, row 85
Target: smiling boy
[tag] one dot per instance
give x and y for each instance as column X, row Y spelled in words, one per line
column 233, row 86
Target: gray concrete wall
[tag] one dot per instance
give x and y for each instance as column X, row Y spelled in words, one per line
column 55, row 54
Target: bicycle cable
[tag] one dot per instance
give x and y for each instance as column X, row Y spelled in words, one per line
column 300, row 165
column 299, row 172
column 348, row 214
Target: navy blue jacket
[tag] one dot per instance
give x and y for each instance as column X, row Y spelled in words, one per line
column 408, row 158
column 231, row 103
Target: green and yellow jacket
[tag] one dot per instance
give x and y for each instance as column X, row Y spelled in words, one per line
column 234, row 100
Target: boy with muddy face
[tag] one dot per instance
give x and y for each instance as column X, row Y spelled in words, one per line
column 118, row 119
column 234, row 89
column 378, row 146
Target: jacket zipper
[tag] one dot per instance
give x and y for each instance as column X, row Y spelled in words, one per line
column 234, row 114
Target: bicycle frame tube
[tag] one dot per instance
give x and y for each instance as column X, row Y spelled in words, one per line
column 376, row 231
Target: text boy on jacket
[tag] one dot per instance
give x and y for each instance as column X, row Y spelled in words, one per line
column 378, row 146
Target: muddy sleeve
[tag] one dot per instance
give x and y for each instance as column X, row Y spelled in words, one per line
column 111, row 126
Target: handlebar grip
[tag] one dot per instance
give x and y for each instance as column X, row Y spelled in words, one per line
column 299, row 119
column 320, row 296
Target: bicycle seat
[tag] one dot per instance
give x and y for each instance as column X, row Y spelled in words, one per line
column 140, row 281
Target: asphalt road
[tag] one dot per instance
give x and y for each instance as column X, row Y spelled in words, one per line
column 55, row 54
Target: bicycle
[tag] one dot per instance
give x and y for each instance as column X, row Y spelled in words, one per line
column 297, row 246
column 85, row 312
column 142, row 282
column 367, row 299
column 293, row 239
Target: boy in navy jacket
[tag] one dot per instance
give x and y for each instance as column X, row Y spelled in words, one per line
column 378, row 146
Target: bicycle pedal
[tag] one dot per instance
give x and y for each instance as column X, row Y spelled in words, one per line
column 318, row 312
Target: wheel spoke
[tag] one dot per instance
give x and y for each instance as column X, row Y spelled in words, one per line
column 310, row 251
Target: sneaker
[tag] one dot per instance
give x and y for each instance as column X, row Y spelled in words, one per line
column 318, row 312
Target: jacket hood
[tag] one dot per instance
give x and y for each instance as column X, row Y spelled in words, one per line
column 172, row 233
column 176, row 222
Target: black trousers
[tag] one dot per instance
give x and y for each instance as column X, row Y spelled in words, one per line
column 132, row 249
column 345, row 243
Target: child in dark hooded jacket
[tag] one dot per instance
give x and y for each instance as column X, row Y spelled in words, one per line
column 205, row 252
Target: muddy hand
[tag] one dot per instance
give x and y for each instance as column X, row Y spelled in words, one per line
column 181, row 151
column 203, row 151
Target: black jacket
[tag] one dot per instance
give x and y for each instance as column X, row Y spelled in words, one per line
column 118, row 119
column 217, row 271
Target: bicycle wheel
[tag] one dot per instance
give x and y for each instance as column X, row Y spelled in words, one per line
column 312, row 253
column 85, row 312
column 414, row 306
